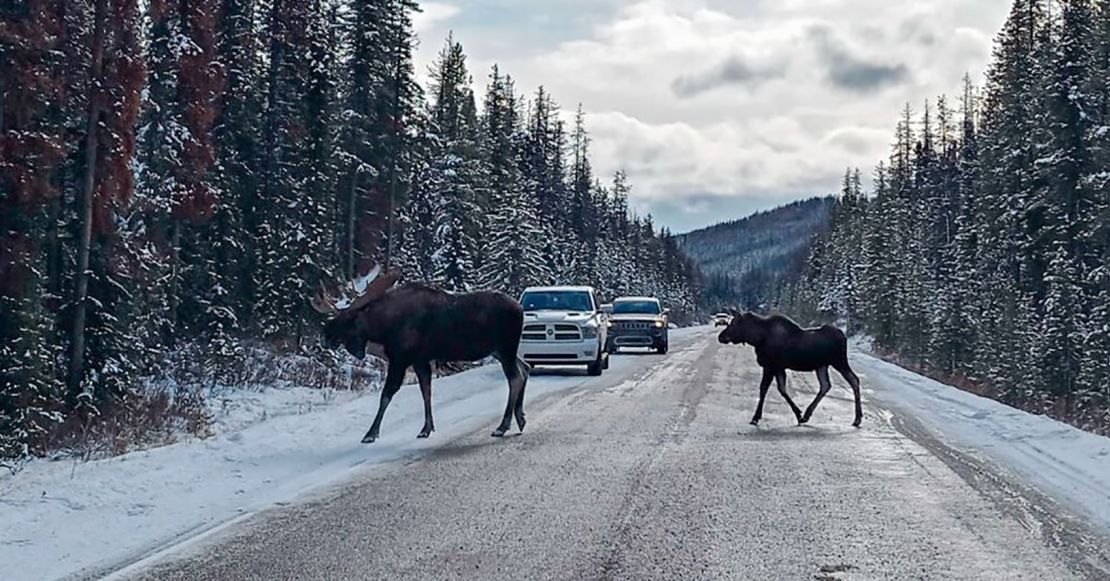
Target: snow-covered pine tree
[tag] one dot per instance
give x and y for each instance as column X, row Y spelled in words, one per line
column 583, row 217
column 513, row 257
column 545, row 179
column 295, row 229
column 228, row 243
column 1070, row 204
column 960, row 322
column 457, row 171
column 382, row 102
column 31, row 148
column 417, row 218
column 177, row 187
column 101, row 363
column 1095, row 366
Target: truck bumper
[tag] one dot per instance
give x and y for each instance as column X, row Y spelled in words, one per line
column 645, row 338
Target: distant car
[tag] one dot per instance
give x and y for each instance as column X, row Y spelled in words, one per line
column 638, row 322
column 564, row 325
column 721, row 319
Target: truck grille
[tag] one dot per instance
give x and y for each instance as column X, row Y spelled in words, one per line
column 554, row 332
column 567, row 333
column 534, row 333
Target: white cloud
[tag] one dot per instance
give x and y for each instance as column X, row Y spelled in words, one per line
column 738, row 104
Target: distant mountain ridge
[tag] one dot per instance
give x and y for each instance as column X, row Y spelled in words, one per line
column 750, row 261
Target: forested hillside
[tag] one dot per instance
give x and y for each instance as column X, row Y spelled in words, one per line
column 984, row 250
column 752, row 262
column 177, row 176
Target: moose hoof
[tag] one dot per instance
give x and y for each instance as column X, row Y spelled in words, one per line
column 499, row 433
column 754, row 422
column 856, row 423
column 423, row 435
column 369, row 438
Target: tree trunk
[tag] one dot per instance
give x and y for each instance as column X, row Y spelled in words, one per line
column 352, row 200
column 398, row 84
column 80, row 307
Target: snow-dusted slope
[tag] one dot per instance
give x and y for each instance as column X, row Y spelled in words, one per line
column 1065, row 463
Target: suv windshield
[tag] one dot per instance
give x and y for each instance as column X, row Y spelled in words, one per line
column 636, row 307
column 577, row 301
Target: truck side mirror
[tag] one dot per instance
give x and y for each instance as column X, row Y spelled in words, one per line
column 607, row 309
column 666, row 311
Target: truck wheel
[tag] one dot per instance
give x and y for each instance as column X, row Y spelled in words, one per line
column 596, row 367
column 664, row 347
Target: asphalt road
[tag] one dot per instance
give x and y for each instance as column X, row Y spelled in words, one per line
column 653, row 473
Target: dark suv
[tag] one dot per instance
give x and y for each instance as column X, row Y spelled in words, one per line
column 637, row 322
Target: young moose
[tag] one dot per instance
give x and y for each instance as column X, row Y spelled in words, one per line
column 416, row 324
column 780, row 344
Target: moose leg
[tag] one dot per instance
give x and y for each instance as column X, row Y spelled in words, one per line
column 823, row 379
column 516, row 391
column 764, row 385
column 393, row 379
column 526, row 371
column 780, row 379
column 424, row 375
column 853, row 380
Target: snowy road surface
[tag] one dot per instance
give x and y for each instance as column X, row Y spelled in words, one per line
column 651, row 472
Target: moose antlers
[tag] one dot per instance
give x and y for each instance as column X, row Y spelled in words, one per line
column 352, row 299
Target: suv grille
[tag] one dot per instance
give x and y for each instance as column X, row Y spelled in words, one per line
column 633, row 325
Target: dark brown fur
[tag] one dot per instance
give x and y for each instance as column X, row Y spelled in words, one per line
column 781, row 344
column 417, row 325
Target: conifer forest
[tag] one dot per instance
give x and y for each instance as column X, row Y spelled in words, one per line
column 983, row 251
column 178, row 176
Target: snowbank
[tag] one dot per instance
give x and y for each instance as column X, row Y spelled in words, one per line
column 1065, row 463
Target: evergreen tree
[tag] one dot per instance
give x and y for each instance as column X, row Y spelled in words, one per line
column 514, row 260
column 457, row 171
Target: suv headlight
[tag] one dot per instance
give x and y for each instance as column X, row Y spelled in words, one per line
column 659, row 324
column 589, row 332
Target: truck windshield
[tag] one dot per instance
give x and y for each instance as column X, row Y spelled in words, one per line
column 635, row 307
column 576, row 301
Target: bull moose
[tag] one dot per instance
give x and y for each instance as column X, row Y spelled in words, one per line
column 781, row 344
column 416, row 325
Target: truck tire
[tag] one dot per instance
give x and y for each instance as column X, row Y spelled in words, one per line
column 594, row 369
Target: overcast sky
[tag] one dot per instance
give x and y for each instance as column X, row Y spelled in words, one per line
column 720, row 108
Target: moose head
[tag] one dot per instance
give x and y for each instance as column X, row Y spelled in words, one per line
column 351, row 323
column 744, row 328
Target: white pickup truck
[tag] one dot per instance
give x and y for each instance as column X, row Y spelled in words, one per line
column 564, row 325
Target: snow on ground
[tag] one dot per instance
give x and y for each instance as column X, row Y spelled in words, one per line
column 1065, row 463
column 67, row 518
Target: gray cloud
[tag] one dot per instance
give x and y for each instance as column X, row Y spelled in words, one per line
column 733, row 71
column 918, row 30
column 844, row 70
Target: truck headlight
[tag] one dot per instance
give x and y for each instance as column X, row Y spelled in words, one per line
column 589, row 332
column 659, row 324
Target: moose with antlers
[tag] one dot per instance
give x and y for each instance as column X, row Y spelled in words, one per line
column 417, row 325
